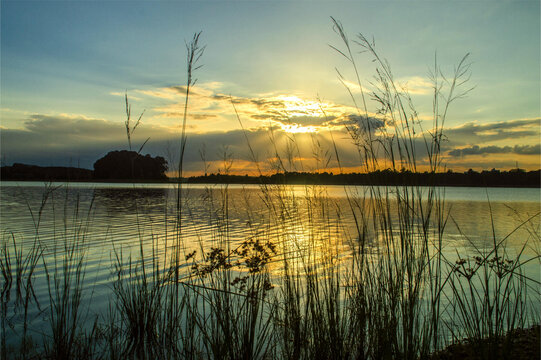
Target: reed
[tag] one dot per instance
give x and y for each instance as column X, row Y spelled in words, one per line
column 489, row 296
column 71, row 333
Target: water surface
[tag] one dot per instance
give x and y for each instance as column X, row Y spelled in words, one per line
column 109, row 222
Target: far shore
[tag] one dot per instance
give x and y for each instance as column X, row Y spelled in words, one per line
column 530, row 180
column 493, row 178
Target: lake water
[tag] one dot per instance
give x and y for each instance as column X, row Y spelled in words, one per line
column 113, row 220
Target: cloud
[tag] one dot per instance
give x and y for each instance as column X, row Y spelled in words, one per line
column 354, row 87
column 47, row 139
column 488, row 144
column 416, row 85
column 293, row 121
column 292, row 111
column 60, row 126
column 163, row 93
column 66, row 140
column 492, row 149
column 61, row 137
column 179, row 115
column 475, row 133
column 175, row 92
column 208, row 104
column 528, row 149
column 361, row 121
column 130, row 97
column 79, row 141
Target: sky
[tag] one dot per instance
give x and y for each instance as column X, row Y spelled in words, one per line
column 66, row 67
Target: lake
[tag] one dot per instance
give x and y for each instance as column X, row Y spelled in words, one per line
column 116, row 223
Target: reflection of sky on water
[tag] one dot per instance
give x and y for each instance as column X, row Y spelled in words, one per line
column 109, row 220
column 122, row 211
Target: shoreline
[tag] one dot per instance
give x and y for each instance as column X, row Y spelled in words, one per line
column 172, row 182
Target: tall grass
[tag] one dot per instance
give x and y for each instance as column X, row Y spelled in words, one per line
column 65, row 283
column 22, row 269
column 489, row 296
column 311, row 278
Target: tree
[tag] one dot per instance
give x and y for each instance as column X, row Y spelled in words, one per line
column 121, row 165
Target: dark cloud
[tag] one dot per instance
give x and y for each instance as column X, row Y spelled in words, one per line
column 57, row 127
column 272, row 115
column 50, row 140
column 528, row 149
column 29, row 147
column 180, row 89
column 477, row 150
column 265, row 104
column 78, row 141
column 361, row 121
column 201, row 116
column 260, row 103
column 222, row 97
column 474, row 133
column 65, row 140
column 234, row 99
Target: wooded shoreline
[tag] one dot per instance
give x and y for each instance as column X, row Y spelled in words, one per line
column 470, row 178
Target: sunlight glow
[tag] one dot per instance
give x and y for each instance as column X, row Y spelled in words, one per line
column 294, row 128
column 296, row 106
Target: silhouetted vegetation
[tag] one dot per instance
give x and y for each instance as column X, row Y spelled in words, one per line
column 512, row 178
column 130, row 165
column 32, row 172
column 118, row 167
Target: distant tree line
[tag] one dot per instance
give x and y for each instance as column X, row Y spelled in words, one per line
column 129, row 165
column 492, row 178
column 116, row 165
column 38, row 173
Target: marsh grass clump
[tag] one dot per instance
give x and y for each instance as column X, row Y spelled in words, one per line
column 72, row 330
column 489, row 297
column 391, row 288
column 232, row 316
column 139, row 303
column 18, row 290
column 232, row 285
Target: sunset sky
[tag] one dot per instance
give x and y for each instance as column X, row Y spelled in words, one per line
column 66, row 65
